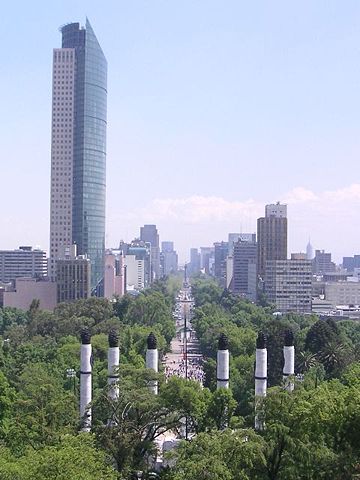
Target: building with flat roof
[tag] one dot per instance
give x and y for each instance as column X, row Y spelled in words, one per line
column 28, row 289
column 220, row 255
column 271, row 236
column 134, row 273
column 194, row 264
column 114, row 279
column 342, row 293
column 288, row 284
column 350, row 263
column 23, row 262
column 206, row 259
column 73, row 278
column 149, row 234
column 168, row 259
column 322, row 263
column 244, row 269
column 234, row 237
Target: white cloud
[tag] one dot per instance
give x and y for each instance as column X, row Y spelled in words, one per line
column 197, row 209
column 330, row 218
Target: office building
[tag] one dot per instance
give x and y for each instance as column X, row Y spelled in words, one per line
column 342, row 293
column 272, row 236
column 78, row 149
column 244, row 269
column 229, row 272
column 277, row 210
column 206, row 259
column 322, row 263
column 23, row 262
column 149, row 234
column 167, row 247
column 142, row 251
column 234, row 237
column 351, row 263
column 220, row 255
column 168, row 259
column 115, row 278
column 194, row 265
column 135, row 273
column 288, row 284
column 73, row 278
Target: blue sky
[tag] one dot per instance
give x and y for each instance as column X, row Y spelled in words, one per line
column 214, row 109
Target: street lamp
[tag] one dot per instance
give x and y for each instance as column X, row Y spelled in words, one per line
column 71, row 373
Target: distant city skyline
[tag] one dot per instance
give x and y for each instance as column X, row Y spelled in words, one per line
column 213, row 113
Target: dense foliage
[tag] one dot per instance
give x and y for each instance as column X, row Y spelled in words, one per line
column 311, row 433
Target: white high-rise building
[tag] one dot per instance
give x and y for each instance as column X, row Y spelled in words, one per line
column 135, row 273
column 63, row 111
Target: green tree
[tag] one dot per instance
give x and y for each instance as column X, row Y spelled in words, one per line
column 189, row 399
column 334, row 356
column 228, row 455
column 320, row 334
column 221, row 407
column 74, row 457
column 137, row 419
column 42, row 411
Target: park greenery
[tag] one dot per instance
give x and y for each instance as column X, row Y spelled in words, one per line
column 310, row 433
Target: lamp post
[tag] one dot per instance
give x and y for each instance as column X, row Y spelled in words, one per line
column 71, row 373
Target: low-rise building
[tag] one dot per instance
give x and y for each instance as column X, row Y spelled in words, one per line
column 28, row 289
column 342, row 293
column 23, row 262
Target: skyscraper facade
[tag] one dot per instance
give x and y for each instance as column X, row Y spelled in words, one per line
column 168, row 259
column 272, row 236
column 149, row 234
column 244, row 269
column 220, row 255
column 194, row 265
column 78, row 149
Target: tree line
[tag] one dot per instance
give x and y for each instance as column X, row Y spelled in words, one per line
column 311, row 433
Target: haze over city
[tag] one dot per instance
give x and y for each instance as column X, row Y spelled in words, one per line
column 179, row 257
column 214, row 110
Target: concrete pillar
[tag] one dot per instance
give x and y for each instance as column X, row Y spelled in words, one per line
column 222, row 367
column 260, row 380
column 85, row 380
column 289, row 361
column 152, row 360
column 113, row 365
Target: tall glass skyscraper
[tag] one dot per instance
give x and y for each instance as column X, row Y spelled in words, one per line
column 78, row 153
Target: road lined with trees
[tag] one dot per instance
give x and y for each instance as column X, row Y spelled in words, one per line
column 311, row 433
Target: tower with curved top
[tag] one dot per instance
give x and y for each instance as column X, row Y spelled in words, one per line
column 78, row 149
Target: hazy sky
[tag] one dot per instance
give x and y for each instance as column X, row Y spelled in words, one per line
column 214, row 109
